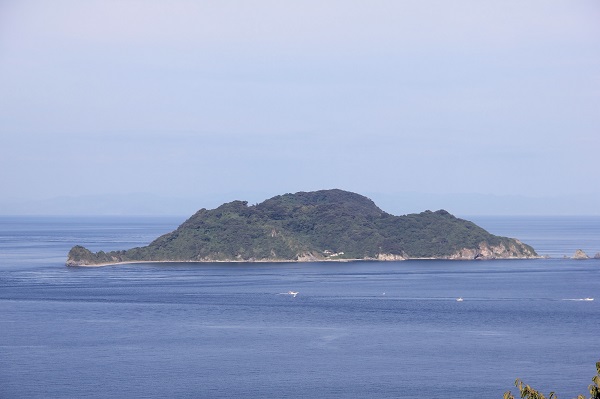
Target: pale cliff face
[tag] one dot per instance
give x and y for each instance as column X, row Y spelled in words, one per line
column 308, row 257
column 493, row 252
column 390, row 257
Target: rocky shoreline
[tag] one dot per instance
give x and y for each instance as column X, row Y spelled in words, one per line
column 304, row 259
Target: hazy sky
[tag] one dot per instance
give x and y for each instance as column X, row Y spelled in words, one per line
column 195, row 98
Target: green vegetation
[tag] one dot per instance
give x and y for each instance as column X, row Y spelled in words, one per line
column 528, row 392
column 327, row 224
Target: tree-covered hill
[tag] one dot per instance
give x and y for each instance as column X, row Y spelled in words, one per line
column 320, row 225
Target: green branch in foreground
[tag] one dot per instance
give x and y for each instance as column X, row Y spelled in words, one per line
column 527, row 392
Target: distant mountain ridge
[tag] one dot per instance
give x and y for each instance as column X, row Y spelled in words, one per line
column 313, row 226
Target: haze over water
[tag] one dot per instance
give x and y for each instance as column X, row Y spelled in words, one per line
column 152, row 107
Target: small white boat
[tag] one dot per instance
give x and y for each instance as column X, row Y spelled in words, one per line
column 459, row 299
column 292, row 293
column 588, row 299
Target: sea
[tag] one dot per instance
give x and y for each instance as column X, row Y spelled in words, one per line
column 354, row 330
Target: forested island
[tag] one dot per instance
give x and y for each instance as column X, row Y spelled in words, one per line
column 313, row 226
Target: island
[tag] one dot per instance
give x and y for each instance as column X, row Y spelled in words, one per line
column 325, row 225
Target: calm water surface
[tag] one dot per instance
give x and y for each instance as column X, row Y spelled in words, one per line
column 356, row 330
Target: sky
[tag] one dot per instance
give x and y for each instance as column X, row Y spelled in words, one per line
column 169, row 106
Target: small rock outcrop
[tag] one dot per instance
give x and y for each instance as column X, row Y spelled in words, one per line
column 579, row 255
column 597, row 256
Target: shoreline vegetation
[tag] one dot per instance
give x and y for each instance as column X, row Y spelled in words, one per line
column 320, row 261
column 139, row 262
column 327, row 225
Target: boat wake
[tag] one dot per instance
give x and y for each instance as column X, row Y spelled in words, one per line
column 579, row 299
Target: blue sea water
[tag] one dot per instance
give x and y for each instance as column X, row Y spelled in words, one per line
column 355, row 330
